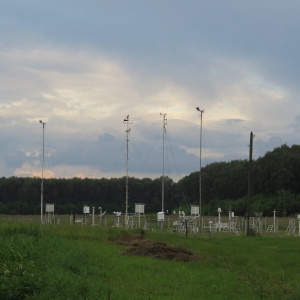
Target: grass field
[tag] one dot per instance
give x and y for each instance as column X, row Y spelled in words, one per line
column 83, row 262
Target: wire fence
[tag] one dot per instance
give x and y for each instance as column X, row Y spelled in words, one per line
column 213, row 225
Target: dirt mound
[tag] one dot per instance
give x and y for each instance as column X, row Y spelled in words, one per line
column 143, row 247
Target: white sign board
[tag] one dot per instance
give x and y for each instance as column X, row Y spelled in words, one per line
column 194, row 210
column 49, row 208
column 160, row 216
column 86, row 209
column 139, row 208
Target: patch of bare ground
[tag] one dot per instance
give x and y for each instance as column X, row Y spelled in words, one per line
column 138, row 245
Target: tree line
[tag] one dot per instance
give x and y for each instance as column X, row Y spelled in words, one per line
column 275, row 186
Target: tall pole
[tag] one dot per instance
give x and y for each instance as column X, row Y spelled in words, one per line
column 200, row 168
column 127, row 121
column 163, row 170
column 249, row 203
column 43, row 163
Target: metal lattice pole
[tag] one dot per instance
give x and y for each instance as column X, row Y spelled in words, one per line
column 127, row 121
column 200, row 167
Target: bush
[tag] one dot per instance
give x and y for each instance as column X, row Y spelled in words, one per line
column 19, row 275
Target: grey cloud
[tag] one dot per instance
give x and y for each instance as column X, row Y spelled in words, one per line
column 295, row 124
column 231, row 121
column 260, row 147
column 211, row 50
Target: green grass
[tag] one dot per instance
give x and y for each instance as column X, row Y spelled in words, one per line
column 81, row 262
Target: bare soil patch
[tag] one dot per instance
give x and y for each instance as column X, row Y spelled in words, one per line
column 138, row 245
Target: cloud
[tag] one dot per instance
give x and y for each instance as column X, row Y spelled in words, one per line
column 84, row 109
column 99, row 62
column 78, row 107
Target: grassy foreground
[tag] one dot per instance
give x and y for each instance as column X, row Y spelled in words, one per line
column 81, row 262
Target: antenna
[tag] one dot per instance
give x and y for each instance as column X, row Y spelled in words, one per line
column 128, row 129
column 163, row 171
column 43, row 163
column 249, row 200
column 200, row 171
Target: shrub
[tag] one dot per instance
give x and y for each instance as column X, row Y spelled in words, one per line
column 19, row 275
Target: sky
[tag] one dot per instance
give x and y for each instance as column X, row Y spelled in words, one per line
column 82, row 67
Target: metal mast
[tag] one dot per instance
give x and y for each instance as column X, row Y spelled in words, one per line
column 43, row 163
column 163, row 172
column 200, row 168
column 249, row 202
column 127, row 121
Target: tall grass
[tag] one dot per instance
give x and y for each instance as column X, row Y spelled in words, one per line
column 82, row 262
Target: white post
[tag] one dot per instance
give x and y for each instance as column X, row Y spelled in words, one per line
column 139, row 220
column 299, row 225
column 93, row 216
column 274, row 223
column 219, row 222
column 178, row 222
column 100, row 216
column 229, row 222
